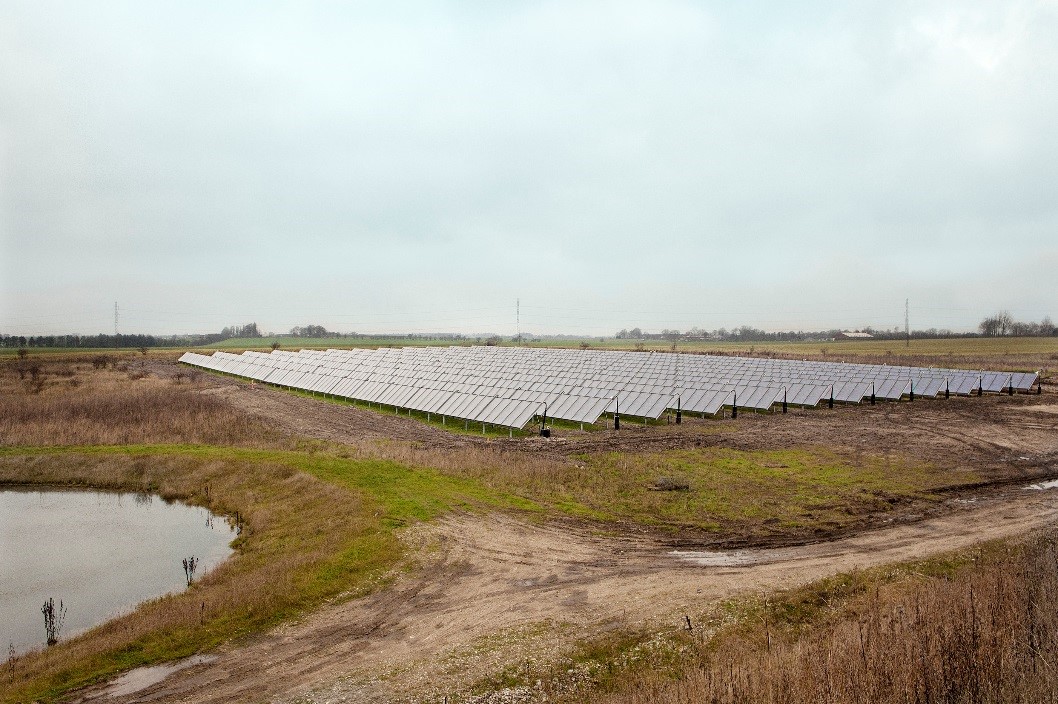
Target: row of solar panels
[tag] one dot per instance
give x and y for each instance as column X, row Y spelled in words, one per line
column 509, row 386
column 613, row 366
column 961, row 379
column 924, row 381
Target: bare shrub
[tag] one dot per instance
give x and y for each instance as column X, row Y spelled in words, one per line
column 100, row 361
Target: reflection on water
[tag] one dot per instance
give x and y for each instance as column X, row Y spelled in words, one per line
column 99, row 553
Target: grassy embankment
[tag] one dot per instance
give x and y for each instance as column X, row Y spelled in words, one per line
column 974, row 626
column 315, row 527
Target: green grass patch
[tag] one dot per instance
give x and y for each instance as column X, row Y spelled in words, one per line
column 732, row 490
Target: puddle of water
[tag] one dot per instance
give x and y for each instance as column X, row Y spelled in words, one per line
column 706, row 558
column 143, row 677
column 98, row 553
column 1041, row 486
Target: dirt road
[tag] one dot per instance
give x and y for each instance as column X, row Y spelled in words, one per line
column 492, row 592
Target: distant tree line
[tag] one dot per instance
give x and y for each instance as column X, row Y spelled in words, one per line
column 1002, row 324
column 106, row 341
column 744, row 333
column 103, row 340
column 319, row 331
column 997, row 325
column 236, row 331
column 248, row 330
column 312, row 331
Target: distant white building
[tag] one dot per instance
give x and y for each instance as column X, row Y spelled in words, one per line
column 854, row 336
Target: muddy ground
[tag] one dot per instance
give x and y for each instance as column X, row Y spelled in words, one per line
column 483, row 593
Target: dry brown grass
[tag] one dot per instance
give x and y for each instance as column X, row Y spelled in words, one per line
column 86, row 402
column 988, row 634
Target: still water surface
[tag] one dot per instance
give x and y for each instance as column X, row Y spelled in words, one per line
column 100, row 553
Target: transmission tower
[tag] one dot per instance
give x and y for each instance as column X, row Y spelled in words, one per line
column 907, row 320
column 115, row 317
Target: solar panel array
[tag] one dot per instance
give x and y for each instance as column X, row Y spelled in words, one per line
column 508, row 386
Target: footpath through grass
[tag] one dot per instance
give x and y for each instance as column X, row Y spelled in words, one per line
column 315, row 527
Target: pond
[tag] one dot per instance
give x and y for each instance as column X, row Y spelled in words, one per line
column 100, row 553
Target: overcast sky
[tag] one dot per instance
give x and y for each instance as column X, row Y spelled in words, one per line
column 403, row 166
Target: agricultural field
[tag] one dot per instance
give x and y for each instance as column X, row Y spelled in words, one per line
column 1011, row 353
column 385, row 558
